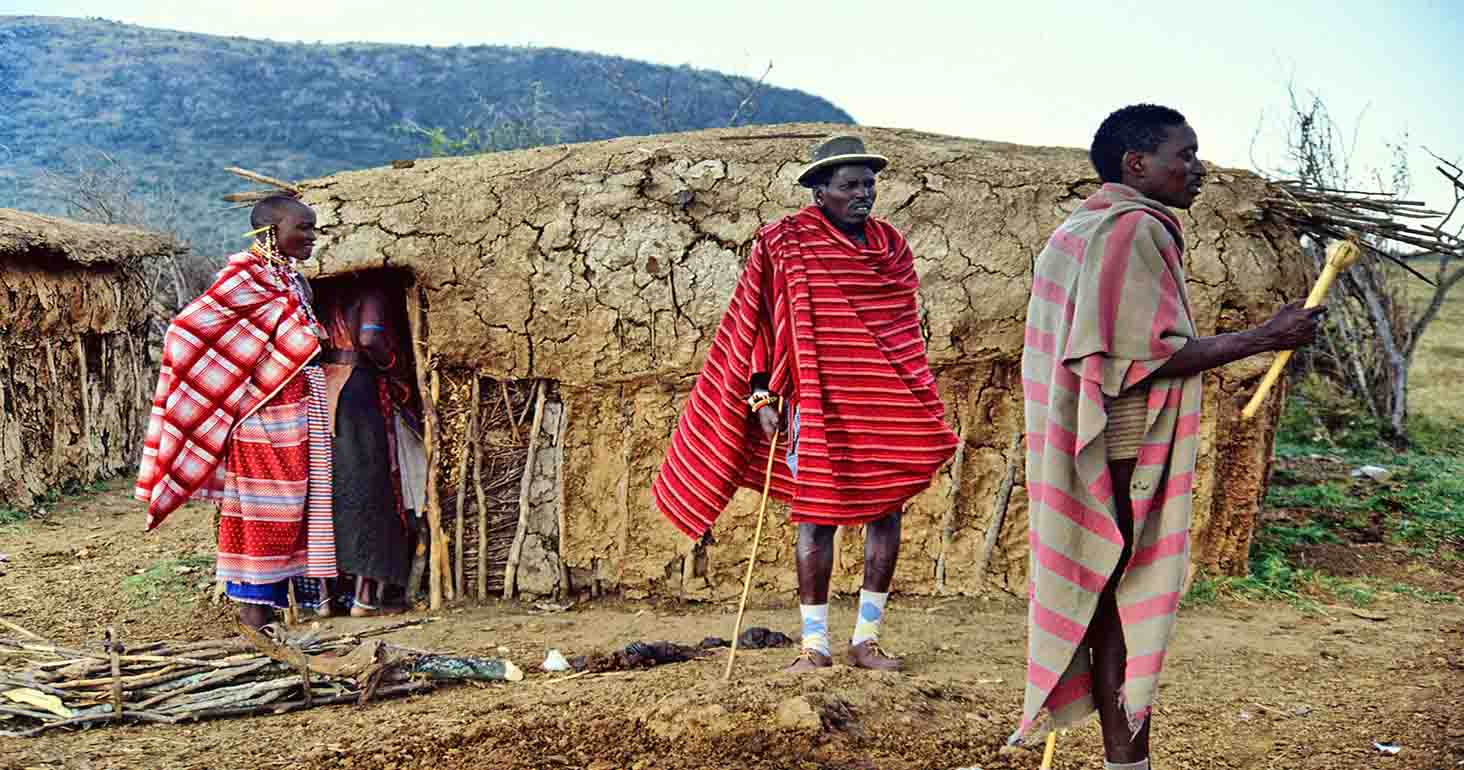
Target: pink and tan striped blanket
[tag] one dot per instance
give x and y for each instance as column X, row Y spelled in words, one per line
column 1108, row 308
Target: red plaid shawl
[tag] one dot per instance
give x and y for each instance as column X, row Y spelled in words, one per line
column 224, row 355
column 835, row 326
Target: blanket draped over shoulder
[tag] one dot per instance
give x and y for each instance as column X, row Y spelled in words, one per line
column 835, row 327
column 1108, row 308
column 224, row 355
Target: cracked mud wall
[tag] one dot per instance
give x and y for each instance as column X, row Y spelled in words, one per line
column 605, row 267
column 75, row 376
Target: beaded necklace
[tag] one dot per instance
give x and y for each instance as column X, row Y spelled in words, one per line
column 283, row 269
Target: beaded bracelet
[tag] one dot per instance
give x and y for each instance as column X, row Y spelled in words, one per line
column 760, row 399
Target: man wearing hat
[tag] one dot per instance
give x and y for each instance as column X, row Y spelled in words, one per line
column 821, row 345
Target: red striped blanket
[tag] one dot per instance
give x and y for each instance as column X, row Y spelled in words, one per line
column 224, row 355
column 1108, row 307
column 276, row 517
column 836, row 327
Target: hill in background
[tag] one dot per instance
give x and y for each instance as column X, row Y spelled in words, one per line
column 171, row 109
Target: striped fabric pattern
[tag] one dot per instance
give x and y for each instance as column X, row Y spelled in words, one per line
column 262, row 532
column 226, row 353
column 319, row 498
column 1108, row 307
column 836, row 328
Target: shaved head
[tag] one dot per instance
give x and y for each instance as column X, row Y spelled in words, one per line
column 293, row 225
column 273, row 209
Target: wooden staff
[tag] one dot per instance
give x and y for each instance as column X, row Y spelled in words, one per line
column 1048, row 752
column 1340, row 256
column 752, row 557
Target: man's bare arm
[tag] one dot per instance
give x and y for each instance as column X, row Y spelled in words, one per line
column 1292, row 327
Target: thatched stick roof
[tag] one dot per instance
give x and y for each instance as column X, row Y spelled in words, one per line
column 47, row 239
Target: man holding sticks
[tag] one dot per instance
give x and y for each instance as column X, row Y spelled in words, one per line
column 239, row 417
column 1111, row 377
column 821, row 339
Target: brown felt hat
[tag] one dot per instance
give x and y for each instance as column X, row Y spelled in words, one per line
column 840, row 151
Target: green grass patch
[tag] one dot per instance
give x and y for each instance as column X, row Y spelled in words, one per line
column 175, row 578
column 1421, row 505
column 1431, row 597
column 1319, row 441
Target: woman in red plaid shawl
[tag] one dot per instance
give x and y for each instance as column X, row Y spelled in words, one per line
column 239, row 418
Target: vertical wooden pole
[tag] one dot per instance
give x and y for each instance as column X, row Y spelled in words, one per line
column 565, row 589
column 482, row 585
column 422, row 356
column 86, row 412
column 1015, row 457
column 55, row 409
column 510, row 571
column 948, row 522
column 469, row 438
column 449, row 590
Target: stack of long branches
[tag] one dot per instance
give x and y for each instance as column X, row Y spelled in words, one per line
column 1365, row 218
column 171, row 682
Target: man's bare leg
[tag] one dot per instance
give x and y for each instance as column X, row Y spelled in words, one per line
column 815, row 561
column 1105, row 639
column 881, row 552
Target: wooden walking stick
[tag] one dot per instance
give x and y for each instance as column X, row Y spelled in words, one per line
column 752, row 559
column 1340, row 256
column 1047, row 752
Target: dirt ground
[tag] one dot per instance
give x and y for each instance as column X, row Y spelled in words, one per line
column 1246, row 686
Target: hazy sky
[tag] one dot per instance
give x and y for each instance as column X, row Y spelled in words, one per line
column 1030, row 71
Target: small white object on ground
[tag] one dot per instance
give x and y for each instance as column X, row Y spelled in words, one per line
column 1374, row 472
column 555, row 661
column 1389, row 748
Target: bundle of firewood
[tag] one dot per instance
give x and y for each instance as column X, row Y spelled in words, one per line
column 260, row 672
column 1367, row 219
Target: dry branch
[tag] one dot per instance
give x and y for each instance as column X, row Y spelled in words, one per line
column 1361, row 217
column 252, row 176
column 1000, row 505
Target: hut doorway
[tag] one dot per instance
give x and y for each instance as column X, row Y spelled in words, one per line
column 494, row 454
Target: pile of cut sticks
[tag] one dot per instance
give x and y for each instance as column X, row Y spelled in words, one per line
column 258, row 672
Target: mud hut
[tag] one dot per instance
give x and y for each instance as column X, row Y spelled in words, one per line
column 569, row 294
column 75, row 378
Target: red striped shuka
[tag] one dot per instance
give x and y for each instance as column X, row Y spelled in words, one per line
column 835, row 327
column 1108, row 308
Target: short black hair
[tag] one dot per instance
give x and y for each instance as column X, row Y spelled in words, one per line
column 271, row 210
column 1135, row 128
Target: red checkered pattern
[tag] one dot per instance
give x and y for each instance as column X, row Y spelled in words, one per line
column 224, row 355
